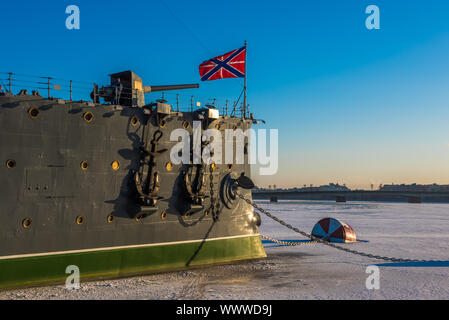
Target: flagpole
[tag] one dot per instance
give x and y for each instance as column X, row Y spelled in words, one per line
column 244, row 87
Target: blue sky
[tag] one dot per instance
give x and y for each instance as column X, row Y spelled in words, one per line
column 352, row 105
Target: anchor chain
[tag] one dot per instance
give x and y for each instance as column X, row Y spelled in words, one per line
column 318, row 240
column 214, row 205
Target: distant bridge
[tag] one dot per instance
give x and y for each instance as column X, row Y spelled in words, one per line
column 362, row 195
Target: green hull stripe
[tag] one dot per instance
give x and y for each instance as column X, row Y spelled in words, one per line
column 39, row 270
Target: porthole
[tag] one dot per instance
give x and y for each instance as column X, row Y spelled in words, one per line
column 88, row 116
column 134, row 121
column 33, row 112
column 84, row 165
column 10, row 163
column 110, row 218
column 169, row 166
column 163, row 123
column 26, row 223
column 79, row 220
column 163, row 215
column 115, row 165
column 186, row 124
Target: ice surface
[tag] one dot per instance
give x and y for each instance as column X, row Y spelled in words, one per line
column 311, row 271
column 416, row 231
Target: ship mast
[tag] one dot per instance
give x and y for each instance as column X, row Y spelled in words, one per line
column 244, row 87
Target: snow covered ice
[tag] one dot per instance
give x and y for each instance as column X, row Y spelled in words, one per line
column 310, row 271
column 400, row 230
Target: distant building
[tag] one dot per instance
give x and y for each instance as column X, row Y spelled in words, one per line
column 329, row 187
column 386, row 187
column 415, row 187
column 332, row 187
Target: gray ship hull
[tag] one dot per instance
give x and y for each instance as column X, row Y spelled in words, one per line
column 68, row 191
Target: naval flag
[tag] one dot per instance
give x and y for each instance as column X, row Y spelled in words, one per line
column 228, row 65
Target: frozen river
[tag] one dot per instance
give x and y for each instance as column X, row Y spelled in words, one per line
column 312, row 271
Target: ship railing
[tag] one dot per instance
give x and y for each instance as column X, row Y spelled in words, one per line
column 74, row 90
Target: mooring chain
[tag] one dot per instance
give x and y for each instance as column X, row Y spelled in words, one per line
column 287, row 243
column 318, row 240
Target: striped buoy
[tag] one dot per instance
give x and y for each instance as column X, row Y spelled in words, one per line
column 333, row 230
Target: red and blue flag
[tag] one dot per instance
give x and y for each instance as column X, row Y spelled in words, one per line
column 229, row 65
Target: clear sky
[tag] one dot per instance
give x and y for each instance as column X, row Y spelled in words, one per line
column 352, row 105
